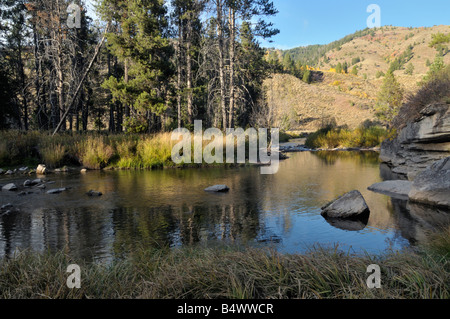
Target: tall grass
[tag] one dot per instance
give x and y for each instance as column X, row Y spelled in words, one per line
column 228, row 272
column 91, row 150
column 331, row 137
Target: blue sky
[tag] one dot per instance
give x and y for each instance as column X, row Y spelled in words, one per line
column 305, row 22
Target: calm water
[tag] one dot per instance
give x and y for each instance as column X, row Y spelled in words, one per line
column 170, row 207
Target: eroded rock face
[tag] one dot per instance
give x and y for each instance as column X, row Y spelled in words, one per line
column 432, row 186
column 350, row 205
column 420, row 143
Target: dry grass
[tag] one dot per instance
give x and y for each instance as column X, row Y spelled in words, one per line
column 228, row 273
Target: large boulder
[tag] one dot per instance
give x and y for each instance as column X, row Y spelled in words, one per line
column 350, row 205
column 432, row 186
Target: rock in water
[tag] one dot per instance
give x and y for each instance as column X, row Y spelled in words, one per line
column 94, row 193
column 432, row 186
column 40, row 170
column 56, row 190
column 9, row 187
column 350, row 205
column 218, row 189
column 396, row 188
column 27, row 183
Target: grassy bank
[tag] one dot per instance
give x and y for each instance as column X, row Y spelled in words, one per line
column 230, row 273
column 335, row 137
column 90, row 150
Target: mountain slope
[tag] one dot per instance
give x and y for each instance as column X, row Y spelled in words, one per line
column 349, row 99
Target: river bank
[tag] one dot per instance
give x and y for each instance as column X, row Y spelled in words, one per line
column 229, row 273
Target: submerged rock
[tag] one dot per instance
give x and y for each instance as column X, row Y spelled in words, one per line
column 9, row 187
column 398, row 188
column 36, row 181
column 27, row 183
column 56, row 190
column 218, row 189
column 432, row 186
column 94, row 193
column 350, row 205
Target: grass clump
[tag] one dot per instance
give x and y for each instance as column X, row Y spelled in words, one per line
column 330, row 137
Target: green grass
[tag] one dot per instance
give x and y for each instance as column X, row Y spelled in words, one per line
column 92, row 150
column 363, row 137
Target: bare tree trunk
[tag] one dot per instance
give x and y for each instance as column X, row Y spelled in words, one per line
column 80, row 84
column 111, row 127
column 232, row 23
column 179, row 70
column 189, row 73
column 23, row 88
column 221, row 49
column 127, row 107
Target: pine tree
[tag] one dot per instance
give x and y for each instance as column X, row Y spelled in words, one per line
column 390, row 98
column 144, row 48
column 339, row 68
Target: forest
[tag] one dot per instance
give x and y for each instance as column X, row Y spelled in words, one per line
column 136, row 66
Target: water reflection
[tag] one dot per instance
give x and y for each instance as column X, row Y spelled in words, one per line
column 170, row 208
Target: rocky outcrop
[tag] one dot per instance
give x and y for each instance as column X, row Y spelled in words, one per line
column 350, row 205
column 432, row 186
column 397, row 188
column 420, row 143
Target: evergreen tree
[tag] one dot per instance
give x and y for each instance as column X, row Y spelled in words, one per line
column 144, row 48
column 307, row 77
column 339, row 68
column 390, row 99
column 345, row 67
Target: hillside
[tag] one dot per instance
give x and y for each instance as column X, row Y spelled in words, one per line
column 304, row 107
column 348, row 99
column 377, row 50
